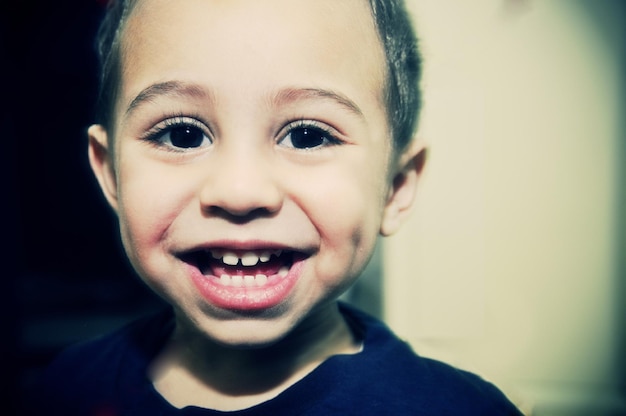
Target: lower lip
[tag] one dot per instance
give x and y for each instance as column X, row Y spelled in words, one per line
column 243, row 298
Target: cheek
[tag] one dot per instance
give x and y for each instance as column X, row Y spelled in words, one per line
column 345, row 206
column 150, row 200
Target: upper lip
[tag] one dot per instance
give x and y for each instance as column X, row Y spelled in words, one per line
column 242, row 247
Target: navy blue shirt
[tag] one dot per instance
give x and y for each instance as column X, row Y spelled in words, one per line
column 108, row 377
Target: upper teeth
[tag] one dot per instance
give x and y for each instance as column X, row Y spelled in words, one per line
column 246, row 259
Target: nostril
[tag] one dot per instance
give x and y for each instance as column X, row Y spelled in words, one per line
column 238, row 216
column 241, row 194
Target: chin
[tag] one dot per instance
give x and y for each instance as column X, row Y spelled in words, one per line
column 245, row 330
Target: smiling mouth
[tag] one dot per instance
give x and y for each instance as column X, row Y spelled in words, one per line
column 248, row 268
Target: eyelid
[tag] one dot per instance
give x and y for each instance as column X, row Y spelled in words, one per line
column 157, row 131
column 332, row 134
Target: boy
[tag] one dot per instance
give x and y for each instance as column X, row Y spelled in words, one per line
column 253, row 151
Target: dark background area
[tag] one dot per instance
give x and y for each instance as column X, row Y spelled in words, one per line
column 65, row 274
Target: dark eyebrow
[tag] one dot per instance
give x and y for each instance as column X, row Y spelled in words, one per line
column 168, row 88
column 290, row 95
column 283, row 97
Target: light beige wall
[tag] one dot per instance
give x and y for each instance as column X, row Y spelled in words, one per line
column 508, row 266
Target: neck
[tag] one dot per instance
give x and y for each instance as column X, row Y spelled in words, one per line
column 193, row 370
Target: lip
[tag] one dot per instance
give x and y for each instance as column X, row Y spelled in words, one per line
column 272, row 293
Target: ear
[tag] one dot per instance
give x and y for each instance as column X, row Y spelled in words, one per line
column 408, row 170
column 101, row 161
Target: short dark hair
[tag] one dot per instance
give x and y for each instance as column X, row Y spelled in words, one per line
column 404, row 68
column 392, row 20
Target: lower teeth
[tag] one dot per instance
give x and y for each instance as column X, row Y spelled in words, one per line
column 249, row 280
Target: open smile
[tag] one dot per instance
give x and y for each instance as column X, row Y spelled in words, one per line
column 242, row 268
column 244, row 279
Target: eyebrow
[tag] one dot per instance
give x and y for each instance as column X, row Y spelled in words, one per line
column 169, row 88
column 281, row 98
column 290, row 95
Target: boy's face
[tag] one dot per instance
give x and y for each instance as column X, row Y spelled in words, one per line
column 250, row 132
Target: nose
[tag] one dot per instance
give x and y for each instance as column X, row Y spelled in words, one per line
column 241, row 186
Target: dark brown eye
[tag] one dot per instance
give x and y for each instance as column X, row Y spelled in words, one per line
column 186, row 137
column 180, row 136
column 307, row 138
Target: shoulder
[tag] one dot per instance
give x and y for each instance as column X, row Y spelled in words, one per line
column 410, row 383
column 462, row 391
column 100, row 369
column 136, row 339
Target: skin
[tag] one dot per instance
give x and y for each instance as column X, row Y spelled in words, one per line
column 246, row 74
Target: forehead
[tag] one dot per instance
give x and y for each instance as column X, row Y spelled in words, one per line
column 250, row 44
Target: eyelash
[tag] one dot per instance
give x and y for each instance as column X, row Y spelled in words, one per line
column 156, row 133
column 326, row 131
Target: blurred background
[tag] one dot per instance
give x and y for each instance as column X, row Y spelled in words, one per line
column 513, row 264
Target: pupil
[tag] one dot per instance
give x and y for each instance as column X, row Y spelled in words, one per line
column 305, row 138
column 186, row 136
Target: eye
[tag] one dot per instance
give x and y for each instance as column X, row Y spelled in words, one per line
column 304, row 136
column 179, row 134
column 185, row 137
